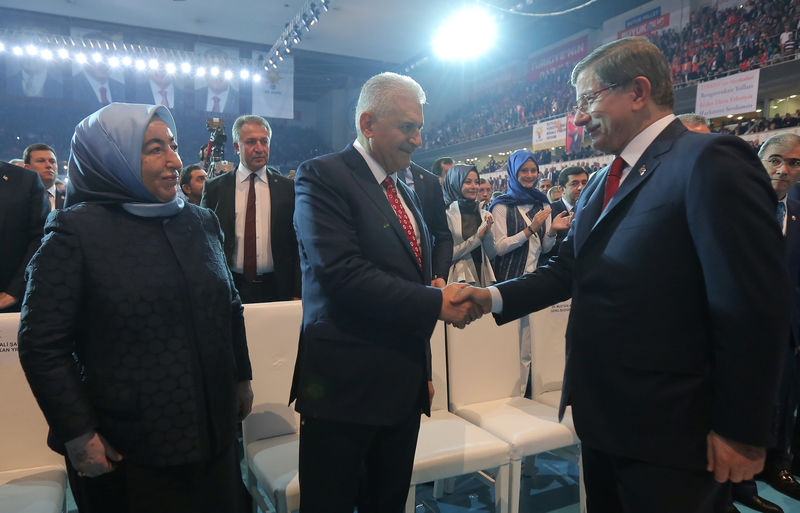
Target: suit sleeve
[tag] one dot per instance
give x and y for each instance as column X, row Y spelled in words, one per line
column 39, row 207
column 731, row 216
column 437, row 224
column 47, row 331
column 329, row 241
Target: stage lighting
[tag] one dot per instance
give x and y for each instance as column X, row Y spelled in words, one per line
column 186, row 67
column 140, row 64
column 17, row 50
column 201, row 71
column 113, row 62
column 46, row 54
column 2, row 47
column 244, row 74
column 152, row 64
column 228, row 74
column 170, row 68
column 214, row 71
column 31, row 50
column 127, row 61
column 97, row 57
column 63, row 53
column 468, row 34
column 257, row 78
column 80, row 58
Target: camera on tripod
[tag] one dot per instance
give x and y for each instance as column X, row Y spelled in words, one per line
column 213, row 155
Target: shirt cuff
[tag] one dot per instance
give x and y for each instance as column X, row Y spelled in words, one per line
column 497, row 300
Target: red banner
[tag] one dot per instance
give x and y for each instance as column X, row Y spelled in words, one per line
column 646, row 28
column 567, row 53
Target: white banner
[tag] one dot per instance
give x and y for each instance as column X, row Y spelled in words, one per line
column 549, row 134
column 735, row 94
column 273, row 97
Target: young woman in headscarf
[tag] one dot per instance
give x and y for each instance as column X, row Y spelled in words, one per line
column 523, row 231
column 522, row 226
column 132, row 335
column 473, row 244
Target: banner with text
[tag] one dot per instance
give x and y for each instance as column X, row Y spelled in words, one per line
column 568, row 53
column 648, row 27
column 729, row 95
column 549, row 134
column 273, row 97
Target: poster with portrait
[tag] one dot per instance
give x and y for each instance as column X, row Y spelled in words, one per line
column 273, row 96
column 574, row 135
column 214, row 93
column 95, row 83
column 32, row 75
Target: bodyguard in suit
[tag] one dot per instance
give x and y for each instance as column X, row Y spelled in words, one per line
column 254, row 205
column 360, row 378
column 572, row 180
column 679, row 319
column 41, row 158
column 429, row 191
column 23, row 209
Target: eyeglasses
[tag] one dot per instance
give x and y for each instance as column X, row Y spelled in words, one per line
column 776, row 161
column 587, row 99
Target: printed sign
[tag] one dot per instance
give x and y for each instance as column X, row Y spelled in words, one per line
column 728, row 95
column 568, row 53
column 549, row 134
column 645, row 28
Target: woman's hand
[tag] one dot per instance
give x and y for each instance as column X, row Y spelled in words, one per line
column 538, row 220
column 487, row 223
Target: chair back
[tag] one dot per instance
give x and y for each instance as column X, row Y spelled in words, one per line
column 439, row 367
column 548, row 351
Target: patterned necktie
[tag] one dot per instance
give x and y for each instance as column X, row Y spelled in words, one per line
column 402, row 216
column 249, row 265
column 104, row 96
column 216, row 106
column 781, row 214
column 164, row 100
column 612, row 180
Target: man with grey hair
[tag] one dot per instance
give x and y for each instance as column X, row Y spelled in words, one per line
column 695, row 123
column 679, row 320
column 255, row 205
column 363, row 364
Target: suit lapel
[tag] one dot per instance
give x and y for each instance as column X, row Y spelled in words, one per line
column 227, row 206
column 588, row 208
column 374, row 191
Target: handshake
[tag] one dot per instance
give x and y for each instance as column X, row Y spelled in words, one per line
column 462, row 304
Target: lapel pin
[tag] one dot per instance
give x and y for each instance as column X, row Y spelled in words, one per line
column 5, row 177
column 642, row 170
column 794, row 218
column 420, row 176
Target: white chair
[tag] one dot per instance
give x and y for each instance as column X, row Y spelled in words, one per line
column 448, row 446
column 33, row 478
column 548, row 354
column 484, row 389
column 270, row 432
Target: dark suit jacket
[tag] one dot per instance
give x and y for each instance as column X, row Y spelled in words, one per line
column 60, row 197
column 219, row 194
column 368, row 313
column 793, row 263
column 82, row 91
column 679, row 312
column 429, row 191
column 23, row 209
column 52, row 88
column 231, row 103
column 132, row 327
column 144, row 94
column 556, row 208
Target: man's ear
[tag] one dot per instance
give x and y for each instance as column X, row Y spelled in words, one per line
column 640, row 86
column 366, row 121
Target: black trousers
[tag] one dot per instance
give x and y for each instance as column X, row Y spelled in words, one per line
column 261, row 290
column 208, row 487
column 337, row 458
column 615, row 484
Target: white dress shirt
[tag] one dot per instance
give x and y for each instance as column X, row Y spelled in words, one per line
column 223, row 97
column 169, row 90
column 51, row 196
column 630, row 154
column 380, row 175
column 264, row 263
column 96, row 87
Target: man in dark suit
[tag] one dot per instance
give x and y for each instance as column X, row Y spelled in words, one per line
column 572, row 180
column 780, row 155
column 679, row 317
column 429, row 191
column 218, row 97
column 23, row 209
column 35, row 79
column 254, row 205
column 368, row 309
column 41, row 158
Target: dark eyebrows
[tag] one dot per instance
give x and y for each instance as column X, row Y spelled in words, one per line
column 159, row 141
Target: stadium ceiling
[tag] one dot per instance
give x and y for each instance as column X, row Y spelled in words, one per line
column 354, row 38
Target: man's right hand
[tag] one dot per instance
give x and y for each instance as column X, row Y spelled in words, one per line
column 459, row 313
column 91, row 455
column 480, row 297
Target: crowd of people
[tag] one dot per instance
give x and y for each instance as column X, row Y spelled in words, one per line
column 714, row 43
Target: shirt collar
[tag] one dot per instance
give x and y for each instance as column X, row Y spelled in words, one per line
column 243, row 173
column 566, row 203
column 634, row 150
column 377, row 170
column 52, row 190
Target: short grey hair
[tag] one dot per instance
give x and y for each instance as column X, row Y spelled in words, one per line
column 785, row 141
column 620, row 61
column 250, row 118
column 376, row 94
column 693, row 119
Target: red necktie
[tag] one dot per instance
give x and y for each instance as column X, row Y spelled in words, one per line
column 405, row 222
column 612, row 180
column 103, row 96
column 215, row 107
column 249, row 266
column 164, row 100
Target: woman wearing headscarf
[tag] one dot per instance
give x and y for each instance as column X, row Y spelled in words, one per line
column 523, row 231
column 473, row 244
column 522, row 226
column 131, row 335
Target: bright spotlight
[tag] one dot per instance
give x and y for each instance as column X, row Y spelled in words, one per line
column 140, row 64
column 2, row 47
column 113, row 61
column 228, row 74
column 152, row 64
column 244, row 74
column 81, row 58
column 17, row 50
column 201, row 71
column 46, row 54
column 214, row 71
column 31, row 50
column 63, row 53
column 468, row 34
column 186, row 67
column 170, row 68
column 96, row 57
column 257, row 78
column 127, row 61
